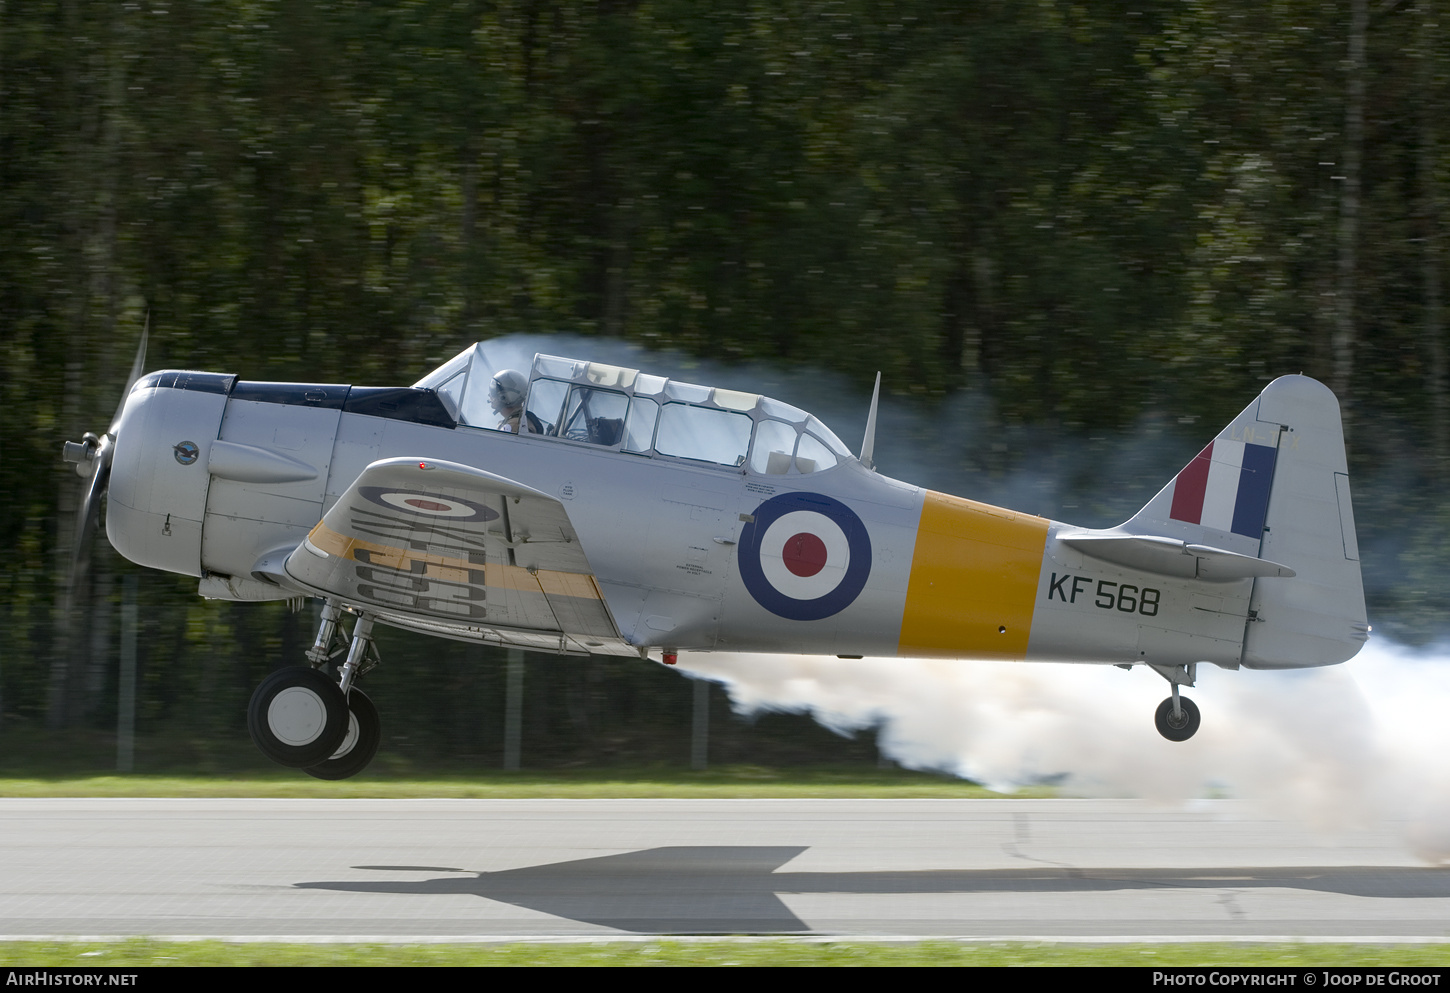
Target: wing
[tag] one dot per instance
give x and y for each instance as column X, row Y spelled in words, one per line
column 451, row 550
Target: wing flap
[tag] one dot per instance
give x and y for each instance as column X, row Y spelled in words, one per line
column 454, row 544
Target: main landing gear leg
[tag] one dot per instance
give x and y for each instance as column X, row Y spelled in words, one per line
column 322, row 651
column 299, row 717
column 1177, row 717
column 364, row 730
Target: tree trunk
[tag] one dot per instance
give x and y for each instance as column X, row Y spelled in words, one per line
column 1430, row 252
column 1344, row 336
column 91, row 230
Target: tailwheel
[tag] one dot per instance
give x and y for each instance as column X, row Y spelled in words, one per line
column 359, row 745
column 1180, row 726
column 297, row 717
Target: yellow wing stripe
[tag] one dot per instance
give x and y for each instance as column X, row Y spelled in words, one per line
column 973, row 581
column 455, row 570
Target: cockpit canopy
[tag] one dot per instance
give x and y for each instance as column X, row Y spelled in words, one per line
column 606, row 406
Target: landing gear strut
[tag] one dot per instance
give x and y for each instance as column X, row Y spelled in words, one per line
column 1177, row 717
column 300, row 718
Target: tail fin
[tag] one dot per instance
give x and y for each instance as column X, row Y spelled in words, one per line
column 1274, row 485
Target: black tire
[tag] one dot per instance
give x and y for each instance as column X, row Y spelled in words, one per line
column 359, row 744
column 297, row 717
column 1181, row 729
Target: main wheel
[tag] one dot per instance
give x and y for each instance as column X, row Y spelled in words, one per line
column 297, row 717
column 359, row 745
column 1180, row 728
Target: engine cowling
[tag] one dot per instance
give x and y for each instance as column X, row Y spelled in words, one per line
column 159, row 478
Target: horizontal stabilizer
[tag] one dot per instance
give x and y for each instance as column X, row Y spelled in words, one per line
column 1174, row 557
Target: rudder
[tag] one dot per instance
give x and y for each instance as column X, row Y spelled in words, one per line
column 1317, row 618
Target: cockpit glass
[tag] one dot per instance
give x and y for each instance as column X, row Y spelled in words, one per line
column 451, row 393
column 476, row 409
column 463, row 383
column 774, row 443
column 644, row 383
column 594, row 416
column 447, row 371
column 688, row 392
column 782, row 411
column 610, row 375
column 452, row 381
column 556, row 367
column 546, row 406
column 734, row 399
column 568, row 398
column 812, row 455
column 826, row 435
column 639, row 430
column 704, row 434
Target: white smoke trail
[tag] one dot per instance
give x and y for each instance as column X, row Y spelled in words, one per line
column 1350, row 746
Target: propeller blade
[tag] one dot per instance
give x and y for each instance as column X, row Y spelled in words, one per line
column 89, row 513
column 136, row 368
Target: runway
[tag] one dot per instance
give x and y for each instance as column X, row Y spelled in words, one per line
column 480, row 869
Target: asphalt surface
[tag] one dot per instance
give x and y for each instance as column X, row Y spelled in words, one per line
column 472, row 869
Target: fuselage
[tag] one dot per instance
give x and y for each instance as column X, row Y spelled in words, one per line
column 222, row 479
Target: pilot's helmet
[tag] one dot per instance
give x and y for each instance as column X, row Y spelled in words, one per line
column 507, row 390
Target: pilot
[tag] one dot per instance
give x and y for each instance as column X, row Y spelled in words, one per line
column 506, row 397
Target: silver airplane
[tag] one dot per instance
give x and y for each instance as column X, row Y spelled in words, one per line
column 577, row 508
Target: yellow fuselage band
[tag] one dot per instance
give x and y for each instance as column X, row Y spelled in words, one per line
column 973, row 581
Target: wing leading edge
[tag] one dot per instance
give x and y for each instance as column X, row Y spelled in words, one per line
column 447, row 549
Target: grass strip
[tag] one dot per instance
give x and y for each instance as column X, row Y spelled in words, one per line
column 764, row 952
column 746, row 782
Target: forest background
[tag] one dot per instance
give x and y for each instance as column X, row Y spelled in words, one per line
column 1104, row 221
